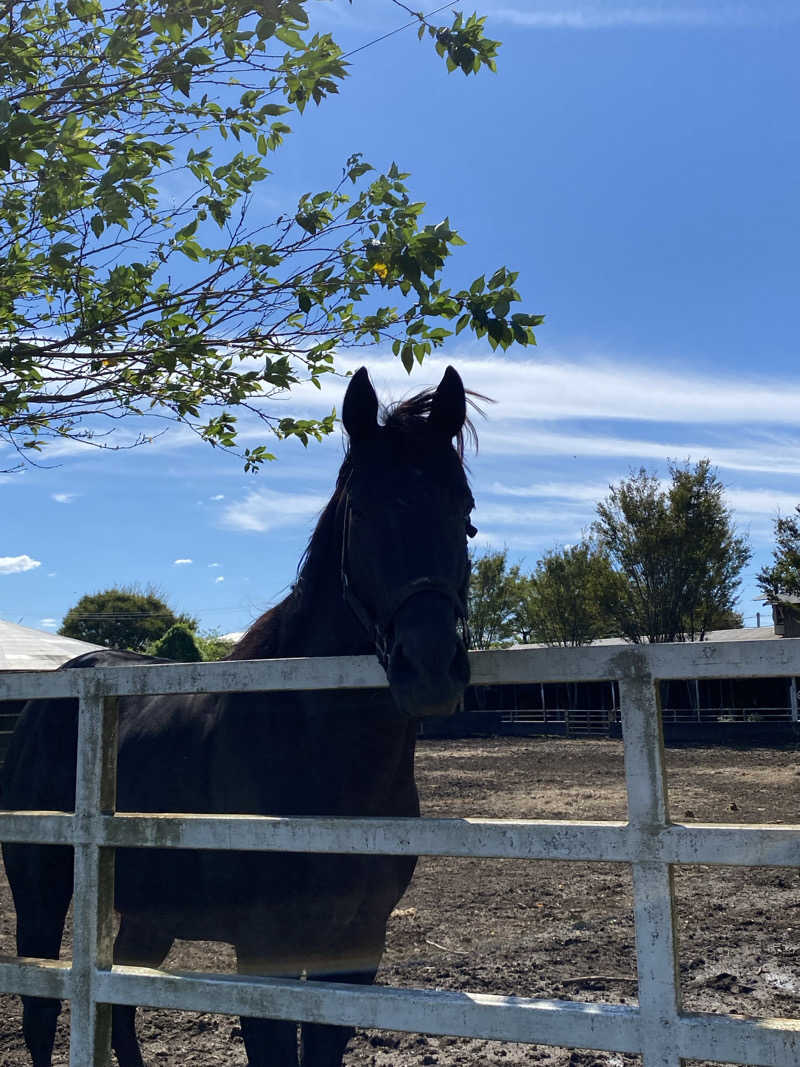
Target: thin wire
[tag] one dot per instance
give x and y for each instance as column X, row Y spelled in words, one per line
column 391, row 33
column 143, row 614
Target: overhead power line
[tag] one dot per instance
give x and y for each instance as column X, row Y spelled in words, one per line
column 399, row 29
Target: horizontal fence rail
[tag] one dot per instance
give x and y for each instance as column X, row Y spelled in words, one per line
column 513, row 666
column 649, row 841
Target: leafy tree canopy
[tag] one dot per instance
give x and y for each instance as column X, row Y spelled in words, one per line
column 494, row 593
column 122, row 618
column 563, row 600
column 134, row 134
column 782, row 578
column 677, row 549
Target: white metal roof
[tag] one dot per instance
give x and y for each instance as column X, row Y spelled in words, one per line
column 234, row 635
column 25, row 649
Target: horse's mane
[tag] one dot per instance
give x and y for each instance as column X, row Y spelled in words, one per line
column 268, row 634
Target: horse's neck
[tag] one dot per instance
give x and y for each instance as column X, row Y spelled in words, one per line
column 360, row 731
column 316, row 621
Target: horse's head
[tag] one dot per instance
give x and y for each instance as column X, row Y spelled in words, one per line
column 405, row 512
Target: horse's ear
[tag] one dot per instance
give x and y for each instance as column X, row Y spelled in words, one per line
column 449, row 405
column 360, row 407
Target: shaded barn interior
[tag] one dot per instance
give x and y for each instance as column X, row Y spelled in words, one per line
column 724, row 710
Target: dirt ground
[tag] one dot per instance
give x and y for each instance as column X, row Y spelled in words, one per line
column 540, row 929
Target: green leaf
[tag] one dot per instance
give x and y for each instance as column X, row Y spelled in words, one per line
column 82, row 159
column 61, row 249
column 187, row 231
column 290, row 37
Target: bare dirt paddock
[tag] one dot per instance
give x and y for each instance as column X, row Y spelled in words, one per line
column 535, row 928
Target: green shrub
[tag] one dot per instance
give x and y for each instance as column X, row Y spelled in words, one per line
column 212, row 645
column 178, row 643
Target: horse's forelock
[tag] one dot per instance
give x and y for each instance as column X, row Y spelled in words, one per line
column 410, row 415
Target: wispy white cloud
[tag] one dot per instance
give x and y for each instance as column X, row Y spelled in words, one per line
column 267, row 509
column 595, row 389
column 542, row 514
column 642, row 16
column 581, row 15
column 49, row 623
column 63, row 498
column 745, row 500
column 565, row 490
column 215, row 564
column 757, row 453
column 18, row 564
column 525, row 540
column 529, row 394
column 219, row 579
column 218, row 496
column 562, row 511
column 560, row 386
column 181, row 562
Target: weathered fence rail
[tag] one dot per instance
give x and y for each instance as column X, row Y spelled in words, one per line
column 649, row 841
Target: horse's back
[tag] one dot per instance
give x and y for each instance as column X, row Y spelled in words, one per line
column 39, row 769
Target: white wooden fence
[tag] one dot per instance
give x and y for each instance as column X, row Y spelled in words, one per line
column 657, row 1028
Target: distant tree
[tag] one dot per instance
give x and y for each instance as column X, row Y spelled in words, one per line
column 494, row 591
column 726, row 620
column 783, row 577
column 678, row 550
column 213, row 645
column 124, row 617
column 178, row 643
column 563, row 601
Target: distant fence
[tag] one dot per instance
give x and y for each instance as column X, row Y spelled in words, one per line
column 9, row 713
column 649, row 841
column 762, row 710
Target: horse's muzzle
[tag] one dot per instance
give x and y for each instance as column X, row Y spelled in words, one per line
column 428, row 666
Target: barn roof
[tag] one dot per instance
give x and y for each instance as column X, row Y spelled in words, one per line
column 25, row 649
column 745, row 633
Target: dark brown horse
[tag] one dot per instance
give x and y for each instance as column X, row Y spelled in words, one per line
column 385, row 571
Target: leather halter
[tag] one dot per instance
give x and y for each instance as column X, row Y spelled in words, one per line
column 378, row 628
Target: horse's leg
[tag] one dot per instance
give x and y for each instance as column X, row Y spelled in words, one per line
column 322, row 1045
column 269, row 1042
column 139, row 943
column 41, row 883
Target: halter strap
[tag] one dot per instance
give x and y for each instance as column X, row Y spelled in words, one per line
column 377, row 629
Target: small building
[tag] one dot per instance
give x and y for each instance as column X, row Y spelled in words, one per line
column 786, row 615
column 25, row 649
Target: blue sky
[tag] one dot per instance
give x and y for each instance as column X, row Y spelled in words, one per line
column 638, row 165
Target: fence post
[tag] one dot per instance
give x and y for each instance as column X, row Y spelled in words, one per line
column 656, row 947
column 793, row 699
column 95, row 795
